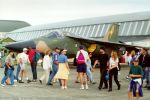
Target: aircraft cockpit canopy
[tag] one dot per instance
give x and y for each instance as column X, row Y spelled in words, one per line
column 54, row 34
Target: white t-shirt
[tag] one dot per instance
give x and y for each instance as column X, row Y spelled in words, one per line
column 85, row 54
column 47, row 62
column 113, row 62
column 24, row 57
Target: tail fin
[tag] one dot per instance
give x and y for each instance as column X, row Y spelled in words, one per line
column 112, row 34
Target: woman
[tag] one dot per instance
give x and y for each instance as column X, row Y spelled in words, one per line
column 90, row 69
column 63, row 69
column 47, row 66
column 113, row 70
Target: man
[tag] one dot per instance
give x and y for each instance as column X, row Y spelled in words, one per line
column 23, row 60
column 81, row 58
column 55, row 65
column 147, row 69
column 103, row 60
column 9, row 69
column 33, row 62
column 142, row 61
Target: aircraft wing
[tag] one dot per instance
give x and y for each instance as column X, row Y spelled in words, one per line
column 103, row 42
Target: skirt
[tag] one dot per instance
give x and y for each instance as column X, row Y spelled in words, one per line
column 62, row 72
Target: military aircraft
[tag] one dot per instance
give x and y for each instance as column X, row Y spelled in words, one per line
column 71, row 42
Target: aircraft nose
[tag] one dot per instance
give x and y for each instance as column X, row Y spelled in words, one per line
column 20, row 45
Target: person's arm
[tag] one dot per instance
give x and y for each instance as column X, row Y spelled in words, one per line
column 77, row 54
column 135, row 76
column 96, row 62
column 56, row 59
column 66, row 62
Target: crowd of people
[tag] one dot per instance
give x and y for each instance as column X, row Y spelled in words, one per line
column 56, row 67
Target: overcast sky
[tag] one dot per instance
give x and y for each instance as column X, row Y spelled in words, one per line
column 48, row 11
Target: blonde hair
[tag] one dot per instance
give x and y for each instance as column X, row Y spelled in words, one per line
column 114, row 55
column 132, row 53
column 47, row 51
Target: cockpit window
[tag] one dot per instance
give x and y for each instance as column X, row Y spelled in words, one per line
column 54, row 35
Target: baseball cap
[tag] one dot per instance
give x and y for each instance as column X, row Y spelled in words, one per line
column 25, row 49
column 81, row 47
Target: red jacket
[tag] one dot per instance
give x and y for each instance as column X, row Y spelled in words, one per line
column 31, row 54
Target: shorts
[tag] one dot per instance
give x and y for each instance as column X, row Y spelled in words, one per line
column 23, row 66
column 81, row 68
column 131, row 87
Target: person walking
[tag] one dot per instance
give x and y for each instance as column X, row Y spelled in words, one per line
column 113, row 70
column 33, row 63
column 55, row 56
column 89, row 70
column 47, row 66
column 23, row 60
column 63, row 69
column 103, row 59
column 9, row 69
column 147, row 69
column 81, row 58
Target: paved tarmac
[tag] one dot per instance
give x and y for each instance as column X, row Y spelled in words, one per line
column 36, row 91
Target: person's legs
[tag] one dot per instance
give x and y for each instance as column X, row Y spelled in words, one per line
column 137, row 96
column 47, row 75
column 104, row 80
column 148, row 83
column 65, row 84
column 129, row 95
column 110, row 79
column 89, row 74
column 85, row 80
column 62, row 84
column 51, row 76
column 116, row 78
column 34, row 71
column 81, row 80
column 18, row 71
column 12, row 77
column 5, row 77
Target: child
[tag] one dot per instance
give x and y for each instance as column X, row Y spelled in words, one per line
column 136, row 74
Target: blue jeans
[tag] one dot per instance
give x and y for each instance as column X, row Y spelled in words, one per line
column 18, row 71
column 9, row 74
column 147, row 76
column 89, row 74
column 54, row 71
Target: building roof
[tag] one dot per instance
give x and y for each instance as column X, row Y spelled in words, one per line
column 90, row 21
column 10, row 25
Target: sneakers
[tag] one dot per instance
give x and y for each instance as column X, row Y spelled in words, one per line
column 86, row 87
column 93, row 82
column 14, row 85
column 49, row 84
column 65, row 87
column 82, row 87
column 28, row 81
column 62, row 87
column 20, row 81
column 110, row 90
column 34, row 80
column 2, row 85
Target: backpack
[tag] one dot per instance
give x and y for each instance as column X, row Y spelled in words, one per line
column 36, row 56
column 80, row 59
